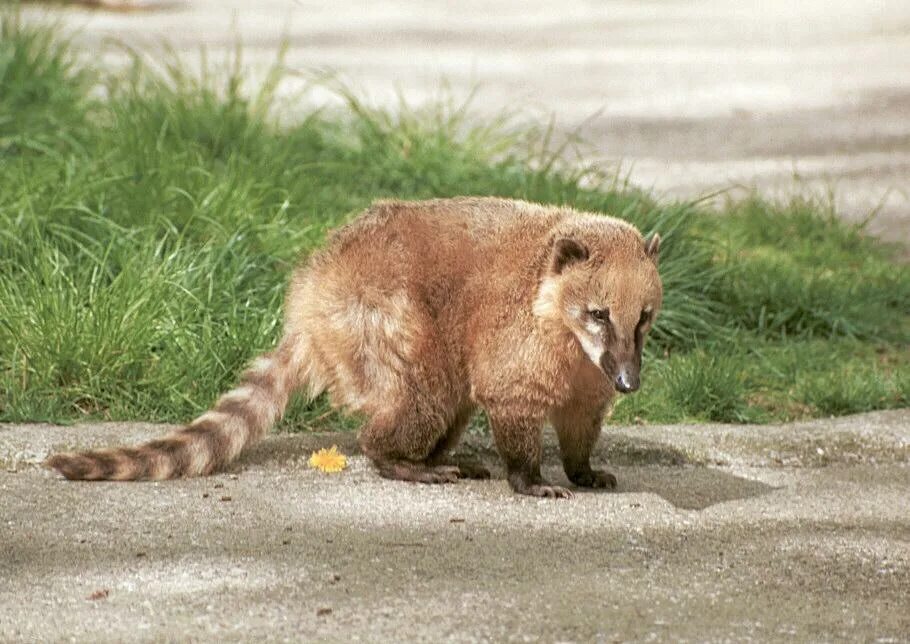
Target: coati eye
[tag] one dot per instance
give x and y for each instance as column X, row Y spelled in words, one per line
column 601, row 315
column 645, row 316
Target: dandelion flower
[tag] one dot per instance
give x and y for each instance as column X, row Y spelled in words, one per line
column 328, row 460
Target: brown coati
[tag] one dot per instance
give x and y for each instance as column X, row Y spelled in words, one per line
column 418, row 313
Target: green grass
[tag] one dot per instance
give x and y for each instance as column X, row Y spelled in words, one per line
column 146, row 239
column 752, row 380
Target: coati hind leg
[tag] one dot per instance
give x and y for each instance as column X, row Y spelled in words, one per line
column 441, row 453
column 578, row 427
column 518, row 442
column 399, row 444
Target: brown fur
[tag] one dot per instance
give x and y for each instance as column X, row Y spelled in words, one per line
column 416, row 314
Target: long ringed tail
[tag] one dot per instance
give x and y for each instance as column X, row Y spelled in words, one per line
column 239, row 418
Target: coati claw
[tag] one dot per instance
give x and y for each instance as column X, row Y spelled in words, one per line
column 548, row 491
column 594, row 479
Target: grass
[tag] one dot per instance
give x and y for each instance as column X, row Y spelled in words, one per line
column 146, row 238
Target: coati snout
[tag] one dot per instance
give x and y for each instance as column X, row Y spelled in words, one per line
column 627, row 377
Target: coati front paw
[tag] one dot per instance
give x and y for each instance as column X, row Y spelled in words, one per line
column 523, row 484
column 593, row 478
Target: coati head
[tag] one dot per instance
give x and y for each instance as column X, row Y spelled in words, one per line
column 607, row 293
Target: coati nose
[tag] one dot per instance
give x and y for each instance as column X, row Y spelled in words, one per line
column 625, row 382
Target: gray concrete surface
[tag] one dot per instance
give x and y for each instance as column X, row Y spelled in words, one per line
column 773, row 533
column 682, row 96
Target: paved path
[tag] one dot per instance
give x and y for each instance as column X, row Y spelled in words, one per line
column 716, row 532
column 685, row 96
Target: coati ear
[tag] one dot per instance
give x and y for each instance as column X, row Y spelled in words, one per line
column 652, row 246
column 567, row 251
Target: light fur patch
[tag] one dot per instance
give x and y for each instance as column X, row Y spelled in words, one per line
column 237, row 440
column 381, row 334
column 240, row 394
column 262, row 364
column 199, row 457
column 199, row 452
column 545, row 304
column 272, row 410
column 344, row 387
column 305, row 367
column 124, row 468
column 217, row 417
column 592, row 349
column 159, row 467
column 238, row 436
column 314, row 379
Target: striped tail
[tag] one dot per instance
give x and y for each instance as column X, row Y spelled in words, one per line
column 239, row 418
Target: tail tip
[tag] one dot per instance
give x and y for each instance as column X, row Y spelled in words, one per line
column 72, row 466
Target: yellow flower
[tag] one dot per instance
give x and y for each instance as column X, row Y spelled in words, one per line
column 328, row 460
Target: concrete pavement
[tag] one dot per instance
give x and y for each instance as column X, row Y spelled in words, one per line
column 716, row 532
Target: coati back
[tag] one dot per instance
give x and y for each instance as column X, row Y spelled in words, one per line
column 416, row 314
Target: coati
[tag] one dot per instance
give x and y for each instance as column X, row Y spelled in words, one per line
column 418, row 313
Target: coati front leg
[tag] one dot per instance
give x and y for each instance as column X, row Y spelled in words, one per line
column 518, row 442
column 578, row 427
